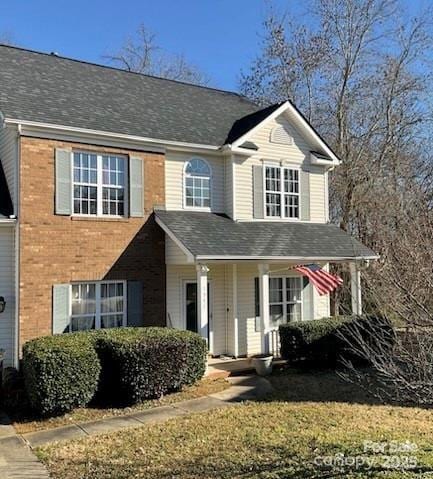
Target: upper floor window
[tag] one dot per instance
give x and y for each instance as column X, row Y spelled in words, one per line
column 197, row 184
column 99, row 184
column 281, row 192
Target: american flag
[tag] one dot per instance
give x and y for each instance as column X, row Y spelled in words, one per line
column 323, row 281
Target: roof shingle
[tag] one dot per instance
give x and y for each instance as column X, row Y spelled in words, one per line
column 212, row 235
column 51, row 89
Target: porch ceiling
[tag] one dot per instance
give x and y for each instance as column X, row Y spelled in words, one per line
column 209, row 236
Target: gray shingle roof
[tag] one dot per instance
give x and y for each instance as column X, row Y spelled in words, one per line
column 51, row 89
column 211, row 235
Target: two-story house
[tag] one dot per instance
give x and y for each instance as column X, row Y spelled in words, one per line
column 132, row 200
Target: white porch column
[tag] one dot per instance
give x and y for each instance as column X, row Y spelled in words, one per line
column 355, row 288
column 264, row 305
column 202, row 302
column 235, row 310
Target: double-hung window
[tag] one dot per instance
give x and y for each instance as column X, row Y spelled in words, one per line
column 98, row 305
column 282, row 192
column 285, row 300
column 99, row 184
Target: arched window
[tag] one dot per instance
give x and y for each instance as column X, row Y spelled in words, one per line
column 197, row 183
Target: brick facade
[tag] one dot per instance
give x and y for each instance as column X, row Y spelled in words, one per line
column 60, row 249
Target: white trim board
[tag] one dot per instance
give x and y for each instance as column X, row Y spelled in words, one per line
column 307, row 129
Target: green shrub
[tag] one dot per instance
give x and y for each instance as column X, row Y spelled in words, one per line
column 141, row 363
column 123, row 365
column 321, row 341
column 60, row 372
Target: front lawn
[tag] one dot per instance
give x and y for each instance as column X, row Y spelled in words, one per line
column 293, row 436
column 24, row 421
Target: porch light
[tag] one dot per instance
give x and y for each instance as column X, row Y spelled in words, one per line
column 2, row 304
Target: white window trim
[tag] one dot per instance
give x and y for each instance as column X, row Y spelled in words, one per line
column 282, row 167
column 100, row 185
column 185, row 176
column 285, row 277
column 98, row 301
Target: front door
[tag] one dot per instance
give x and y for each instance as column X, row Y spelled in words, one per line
column 191, row 315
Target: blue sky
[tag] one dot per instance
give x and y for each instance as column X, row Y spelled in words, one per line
column 219, row 36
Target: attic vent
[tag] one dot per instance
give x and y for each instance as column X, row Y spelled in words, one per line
column 280, row 135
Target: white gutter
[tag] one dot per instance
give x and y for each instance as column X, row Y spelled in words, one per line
column 282, row 258
column 106, row 134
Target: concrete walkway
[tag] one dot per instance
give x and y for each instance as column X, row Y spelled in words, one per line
column 243, row 388
column 17, row 461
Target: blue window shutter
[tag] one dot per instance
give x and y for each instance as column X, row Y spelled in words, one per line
column 136, row 187
column 305, row 196
column 307, row 300
column 63, row 202
column 258, row 198
column 61, row 308
column 135, row 303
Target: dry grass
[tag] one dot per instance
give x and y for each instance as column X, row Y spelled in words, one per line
column 275, row 439
column 27, row 423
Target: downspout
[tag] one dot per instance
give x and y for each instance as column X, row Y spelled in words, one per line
column 17, row 246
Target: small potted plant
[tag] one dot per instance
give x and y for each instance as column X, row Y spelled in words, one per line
column 262, row 364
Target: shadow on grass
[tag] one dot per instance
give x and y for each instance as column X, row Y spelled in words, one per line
column 320, row 385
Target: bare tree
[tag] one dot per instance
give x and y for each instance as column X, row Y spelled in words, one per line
column 140, row 53
column 360, row 70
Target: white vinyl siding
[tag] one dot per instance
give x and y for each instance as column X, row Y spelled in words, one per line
column 174, row 180
column 297, row 155
column 173, row 254
column 221, row 279
column 7, row 289
column 176, row 278
column 9, row 159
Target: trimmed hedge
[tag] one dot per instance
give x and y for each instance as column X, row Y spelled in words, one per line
column 123, row 365
column 143, row 363
column 320, row 341
column 60, row 372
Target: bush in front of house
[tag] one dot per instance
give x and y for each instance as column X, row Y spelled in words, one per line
column 61, row 372
column 122, row 365
column 142, row 363
column 325, row 341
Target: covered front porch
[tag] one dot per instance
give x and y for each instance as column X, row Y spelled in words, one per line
column 237, row 307
column 235, row 283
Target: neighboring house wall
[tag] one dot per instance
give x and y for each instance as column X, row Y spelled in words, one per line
column 274, row 153
column 174, row 179
column 8, row 157
column 7, row 289
column 61, row 249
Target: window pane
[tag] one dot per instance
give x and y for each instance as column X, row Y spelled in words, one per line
column 275, row 290
column 275, row 315
column 82, row 323
column 112, row 298
column 291, row 206
column 273, row 204
column 294, row 312
column 83, row 299
column 112, row 321
column 294, row 289
column 272, row 178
